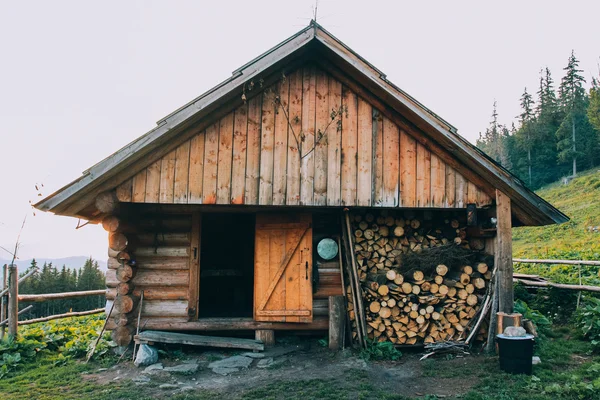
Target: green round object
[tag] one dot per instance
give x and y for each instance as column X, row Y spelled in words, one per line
column 327, row 249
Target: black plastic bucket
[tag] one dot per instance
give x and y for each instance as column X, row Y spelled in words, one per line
column 515, row 353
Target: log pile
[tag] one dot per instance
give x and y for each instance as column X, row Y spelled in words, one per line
column 422, row 281
column 122, row 318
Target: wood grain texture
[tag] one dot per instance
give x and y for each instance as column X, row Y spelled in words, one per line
column 139, row 187
column 293, row 155
column 461, row 191
column 124, row 191
column 391, row 164
column 334, row 145
column 438, row 182
column 240, row 140
column 323, row 124
column 408, row 173
column 182, row 170
column 503, row 254
column 349, row 146
column 265, row 192
column 253, row 151
column 423, row 176
column 281, row 142
column 283, row 262
column 225, row 159
column 377, row 169
column 351, row 153
column 471, row 193
column 365, row 153
column 196, row 169
column 307, row 158
column 211, row 153
column 450, row 187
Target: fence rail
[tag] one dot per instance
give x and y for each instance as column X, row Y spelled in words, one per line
column 581, row 287
column 562, row 262
column 9, row 310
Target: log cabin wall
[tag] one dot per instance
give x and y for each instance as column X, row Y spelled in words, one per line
column 161, row 249
column 307, row 140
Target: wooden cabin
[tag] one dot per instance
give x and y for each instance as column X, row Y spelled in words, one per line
column 215, row 214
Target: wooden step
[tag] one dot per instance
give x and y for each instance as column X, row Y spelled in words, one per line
column 150, row 337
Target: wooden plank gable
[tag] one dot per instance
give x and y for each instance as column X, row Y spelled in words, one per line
column 306, row 140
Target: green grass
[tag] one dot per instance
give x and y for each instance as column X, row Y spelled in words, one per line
column 580, row 200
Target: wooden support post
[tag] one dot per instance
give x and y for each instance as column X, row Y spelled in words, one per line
column 13, row 301
column 266, row 336
column 3, row 300
column 503, row 256
column 337, row 320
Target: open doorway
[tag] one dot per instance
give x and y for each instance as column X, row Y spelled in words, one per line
column 226, row 265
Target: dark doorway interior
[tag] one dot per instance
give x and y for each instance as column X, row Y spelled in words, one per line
column 226, row 265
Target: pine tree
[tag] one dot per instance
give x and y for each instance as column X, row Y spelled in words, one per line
column 593, row 110
column 525, row 135
column 574, row 131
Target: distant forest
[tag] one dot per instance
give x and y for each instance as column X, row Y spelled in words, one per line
column 556, row 134
column 49, row 279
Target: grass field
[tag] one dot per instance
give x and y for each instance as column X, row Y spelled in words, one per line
column 580, row 200
column 569, row 370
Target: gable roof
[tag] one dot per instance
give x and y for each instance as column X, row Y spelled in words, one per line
column 528, row 208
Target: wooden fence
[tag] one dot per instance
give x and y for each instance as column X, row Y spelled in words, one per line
column 537, row 281
column 10, row 298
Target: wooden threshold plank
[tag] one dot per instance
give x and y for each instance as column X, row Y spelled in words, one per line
column 197, row 340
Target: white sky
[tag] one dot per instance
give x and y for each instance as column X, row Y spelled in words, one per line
column 78, row 80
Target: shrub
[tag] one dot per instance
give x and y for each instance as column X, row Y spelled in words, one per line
column 588, row 320
column 541, row 323
column 558, row 305
column 65, row 339
column 380, row 351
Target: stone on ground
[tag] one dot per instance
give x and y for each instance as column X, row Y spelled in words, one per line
column 265, row 362
column 224, row 371
column 232, row 362
column 152, row 368
column 183, row 368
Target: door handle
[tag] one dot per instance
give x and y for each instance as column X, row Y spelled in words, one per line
column 195, row 253
column 307, row 270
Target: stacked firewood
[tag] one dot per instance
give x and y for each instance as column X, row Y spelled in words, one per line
column 420, row 283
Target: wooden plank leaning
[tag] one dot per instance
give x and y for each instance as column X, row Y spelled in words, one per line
column 354, row 281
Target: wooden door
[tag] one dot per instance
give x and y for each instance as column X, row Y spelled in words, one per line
column 283, row 268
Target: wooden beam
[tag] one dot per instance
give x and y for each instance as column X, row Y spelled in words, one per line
column 13, row 301
column 197, row 340
column 54, row 296
column 3, row 300
column 503, row 255
column 267, row 336
column 337, row 321
column 236, row 324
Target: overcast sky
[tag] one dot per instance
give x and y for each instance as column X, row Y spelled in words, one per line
column 78, row 79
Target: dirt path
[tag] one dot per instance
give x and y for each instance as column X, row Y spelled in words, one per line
column 286, row 365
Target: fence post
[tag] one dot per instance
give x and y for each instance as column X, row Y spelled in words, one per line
column 3, row 299
column 13, row 301
column 580, row 283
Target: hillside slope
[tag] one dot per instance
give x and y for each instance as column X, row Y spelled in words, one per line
column 580, row 200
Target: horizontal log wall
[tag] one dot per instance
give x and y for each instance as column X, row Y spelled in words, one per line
column 162, row 256
column 349, row 155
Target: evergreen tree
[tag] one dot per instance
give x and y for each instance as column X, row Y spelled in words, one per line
column 525, row 135
column 593, row 110
column 574, row 131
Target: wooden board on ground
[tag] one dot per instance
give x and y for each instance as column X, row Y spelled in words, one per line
column 197, row 340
